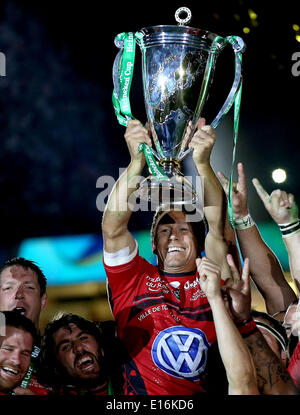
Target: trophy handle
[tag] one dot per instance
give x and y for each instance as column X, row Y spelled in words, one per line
column 122, row 76
column 116, row 71
column 238, row 46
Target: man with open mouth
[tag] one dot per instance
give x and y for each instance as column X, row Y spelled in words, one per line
column 163, row 317
column 74, row 357
column 23, row 290
column 15, row 350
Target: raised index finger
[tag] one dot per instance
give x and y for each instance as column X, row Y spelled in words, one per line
column 241, row 178
column 234, row 271
column 245, row 276
column 260, row 190
column 224, row 181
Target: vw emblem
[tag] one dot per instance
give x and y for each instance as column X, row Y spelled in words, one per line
column 181, row 351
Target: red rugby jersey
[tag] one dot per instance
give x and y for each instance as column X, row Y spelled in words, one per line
column 30, row 380
column 294, row 366
column 166, row 325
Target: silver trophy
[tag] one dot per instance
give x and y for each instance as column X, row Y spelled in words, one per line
column 178, row 64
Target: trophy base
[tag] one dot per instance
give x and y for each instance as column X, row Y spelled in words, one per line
column 176, row 190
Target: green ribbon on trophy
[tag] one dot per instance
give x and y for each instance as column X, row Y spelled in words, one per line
column 121, row 103
column 124, row 70
column 237, row 105
column 236, row 99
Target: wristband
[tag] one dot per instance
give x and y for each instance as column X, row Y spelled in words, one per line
column 288, row 229
column 247, row 327
column 243, row 223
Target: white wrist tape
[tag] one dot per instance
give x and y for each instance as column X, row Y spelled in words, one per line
column 120, row 257
column 243, row 223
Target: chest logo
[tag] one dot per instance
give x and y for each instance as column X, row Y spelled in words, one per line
column 181, row 351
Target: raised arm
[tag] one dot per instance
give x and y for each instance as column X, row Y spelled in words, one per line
column 118, row 209
column 265, row 268
column 214, row 197
column 272, row 377
column 236, row 357
column 284, row 211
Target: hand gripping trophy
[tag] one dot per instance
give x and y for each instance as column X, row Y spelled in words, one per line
column 178, row 64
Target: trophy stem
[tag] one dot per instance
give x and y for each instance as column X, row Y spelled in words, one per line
column 174, row 189
column 169, row 165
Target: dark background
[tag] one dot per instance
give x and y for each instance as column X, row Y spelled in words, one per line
column 58, row 129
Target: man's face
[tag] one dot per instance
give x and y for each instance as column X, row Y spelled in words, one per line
column 20, row 290
column 15, row 353
column 78, row 353
column 175, row 244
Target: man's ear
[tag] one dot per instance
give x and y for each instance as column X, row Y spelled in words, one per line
column 44, row 301
column 154, row 248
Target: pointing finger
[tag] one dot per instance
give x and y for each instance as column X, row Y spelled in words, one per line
column 234, row 272
column 241, row 178
column 224, row 181
column 291, row 199
column 260, row 190
column 245, row 276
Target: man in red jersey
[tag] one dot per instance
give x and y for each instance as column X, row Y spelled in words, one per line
column 23, row 289
column 163, row 317
column 16, row 345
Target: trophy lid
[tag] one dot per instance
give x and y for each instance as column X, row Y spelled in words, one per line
column 178, row 34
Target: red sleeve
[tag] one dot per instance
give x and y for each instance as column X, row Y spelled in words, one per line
column 123, row 281
column 294, row 366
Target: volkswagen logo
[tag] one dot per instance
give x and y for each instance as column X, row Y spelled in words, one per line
column 181, row 351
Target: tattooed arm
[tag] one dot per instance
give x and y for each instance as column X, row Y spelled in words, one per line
column 272, row 377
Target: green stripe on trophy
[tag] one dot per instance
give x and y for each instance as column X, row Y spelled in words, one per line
column 121, row 103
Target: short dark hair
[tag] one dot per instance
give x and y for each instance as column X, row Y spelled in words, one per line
column 273, row 326
column 26, row 263
column 48, row 373
column 17, row 320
